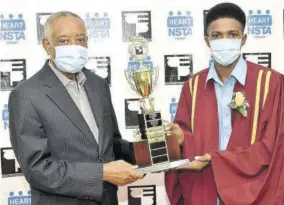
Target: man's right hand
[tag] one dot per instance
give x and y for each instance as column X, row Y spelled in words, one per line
column 195, row 165
column 120, row 173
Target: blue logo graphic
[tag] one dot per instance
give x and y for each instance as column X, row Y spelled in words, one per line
column 173, row 109
column 19, row 199
column 180, row 26
column 98, row 26
column 12, row 29
column 5, row 117
column 259, row 25
column 134, row 65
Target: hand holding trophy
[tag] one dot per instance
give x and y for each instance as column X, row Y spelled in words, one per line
column 155, row 148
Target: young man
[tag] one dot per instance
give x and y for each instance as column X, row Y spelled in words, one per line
column 230, row 124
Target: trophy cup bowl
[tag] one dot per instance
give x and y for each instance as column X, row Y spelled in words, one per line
column 143, row 82
column 156, row 149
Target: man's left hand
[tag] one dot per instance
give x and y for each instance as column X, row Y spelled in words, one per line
column 178, row 132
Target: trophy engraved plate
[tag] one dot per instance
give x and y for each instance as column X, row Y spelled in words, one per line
column 155, row 148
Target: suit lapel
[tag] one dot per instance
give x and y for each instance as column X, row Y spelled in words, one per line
column 95, row 98
column 61, row 98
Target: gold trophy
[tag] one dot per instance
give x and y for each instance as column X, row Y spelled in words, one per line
column 155, row 148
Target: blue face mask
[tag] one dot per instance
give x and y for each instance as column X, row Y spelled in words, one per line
column 225, row 51
column 70, row 58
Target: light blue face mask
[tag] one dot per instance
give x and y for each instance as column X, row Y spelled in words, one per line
column 225, row 51
column 70, row 58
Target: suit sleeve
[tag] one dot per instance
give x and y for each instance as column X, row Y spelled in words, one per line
column 82, row 180
column 183, row 118
column 243, row 168
column 123, row 150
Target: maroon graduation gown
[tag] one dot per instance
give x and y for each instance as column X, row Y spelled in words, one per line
column 250, row 171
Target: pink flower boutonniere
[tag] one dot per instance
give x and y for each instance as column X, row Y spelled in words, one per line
column 239, row 103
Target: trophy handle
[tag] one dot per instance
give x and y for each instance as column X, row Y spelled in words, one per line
column 132, row 85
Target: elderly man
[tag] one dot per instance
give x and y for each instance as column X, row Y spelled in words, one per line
column 63, row 126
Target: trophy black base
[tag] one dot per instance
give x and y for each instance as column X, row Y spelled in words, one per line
column 157, row 150
column 145, row 156
column 163, row 166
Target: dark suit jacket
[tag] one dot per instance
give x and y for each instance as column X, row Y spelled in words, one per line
column 56, row 150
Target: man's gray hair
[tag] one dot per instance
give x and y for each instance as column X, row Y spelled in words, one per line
column 47, row 26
